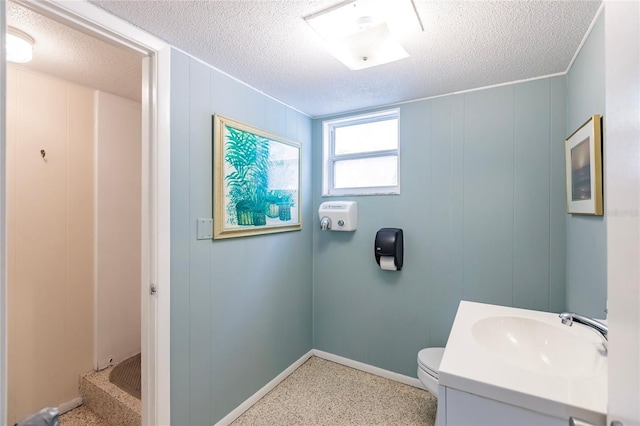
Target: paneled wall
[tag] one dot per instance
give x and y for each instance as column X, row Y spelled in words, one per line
column 586, row 235
column 50, row 240
column 118, row 164
column 482, row 209
column 240, row 308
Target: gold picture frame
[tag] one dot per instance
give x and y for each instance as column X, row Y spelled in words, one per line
column 256, row 181
column 583, row 164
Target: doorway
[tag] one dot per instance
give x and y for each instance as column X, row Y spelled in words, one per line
column 154, row 233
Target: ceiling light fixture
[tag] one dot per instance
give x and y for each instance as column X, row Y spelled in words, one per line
column 365, row 33
column 19, row 46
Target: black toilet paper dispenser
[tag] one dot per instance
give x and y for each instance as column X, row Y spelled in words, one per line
column 389, row 242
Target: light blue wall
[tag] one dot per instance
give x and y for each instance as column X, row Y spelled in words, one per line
column 240, row 308
column 482, row 209
column 586, row 235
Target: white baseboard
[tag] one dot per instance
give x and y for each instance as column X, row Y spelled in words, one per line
column 229, row 418
column 69, row 405
column 411, row 381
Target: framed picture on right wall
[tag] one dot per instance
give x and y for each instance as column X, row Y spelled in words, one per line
column 583, row 158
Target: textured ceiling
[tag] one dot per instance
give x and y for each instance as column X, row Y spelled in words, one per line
column 73, row 56
column 465, row 45
column 267, row 44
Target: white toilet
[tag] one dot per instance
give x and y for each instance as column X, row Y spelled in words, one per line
column 428, row 366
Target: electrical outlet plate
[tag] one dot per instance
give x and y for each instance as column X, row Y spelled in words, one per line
column 205, row 229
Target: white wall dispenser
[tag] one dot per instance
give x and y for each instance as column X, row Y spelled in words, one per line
column 338, row 215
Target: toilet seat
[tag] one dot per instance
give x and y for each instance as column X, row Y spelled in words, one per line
column 429, row 360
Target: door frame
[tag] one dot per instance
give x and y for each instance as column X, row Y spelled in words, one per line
column 622, row 191
column 155, row 236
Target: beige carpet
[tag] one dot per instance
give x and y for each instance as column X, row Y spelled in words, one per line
column 127, row 375
column 321, row 392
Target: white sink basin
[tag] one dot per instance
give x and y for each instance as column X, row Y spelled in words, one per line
column 539, row 346
column 527, row 359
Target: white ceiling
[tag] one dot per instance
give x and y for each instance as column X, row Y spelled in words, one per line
column 63, row 52
column 267, row 44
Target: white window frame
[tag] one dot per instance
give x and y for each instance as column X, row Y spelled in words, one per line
column 329, row 158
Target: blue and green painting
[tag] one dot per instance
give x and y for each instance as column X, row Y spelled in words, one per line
column 261, row 178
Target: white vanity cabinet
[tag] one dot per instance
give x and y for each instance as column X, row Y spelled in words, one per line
column 510, row 366
column 456, row 408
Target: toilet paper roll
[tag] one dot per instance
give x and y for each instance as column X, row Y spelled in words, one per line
column 387, row 263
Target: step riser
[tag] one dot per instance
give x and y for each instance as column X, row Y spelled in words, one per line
column 108, row 406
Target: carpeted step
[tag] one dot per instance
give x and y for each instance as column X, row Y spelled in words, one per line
column 127, row 375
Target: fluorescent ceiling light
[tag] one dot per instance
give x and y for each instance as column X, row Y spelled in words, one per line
column 367, row 48
column 365, row 33
column 19, row 46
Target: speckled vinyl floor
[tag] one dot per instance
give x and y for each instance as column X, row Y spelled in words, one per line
column 321, row 392
column 106, row 400
column 81, row 416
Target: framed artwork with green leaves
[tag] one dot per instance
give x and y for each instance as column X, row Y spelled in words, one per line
column 256, row 181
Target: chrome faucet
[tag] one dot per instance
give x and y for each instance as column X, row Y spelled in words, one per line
column 568, row 318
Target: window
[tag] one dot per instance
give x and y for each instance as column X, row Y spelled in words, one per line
column 362, row 155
